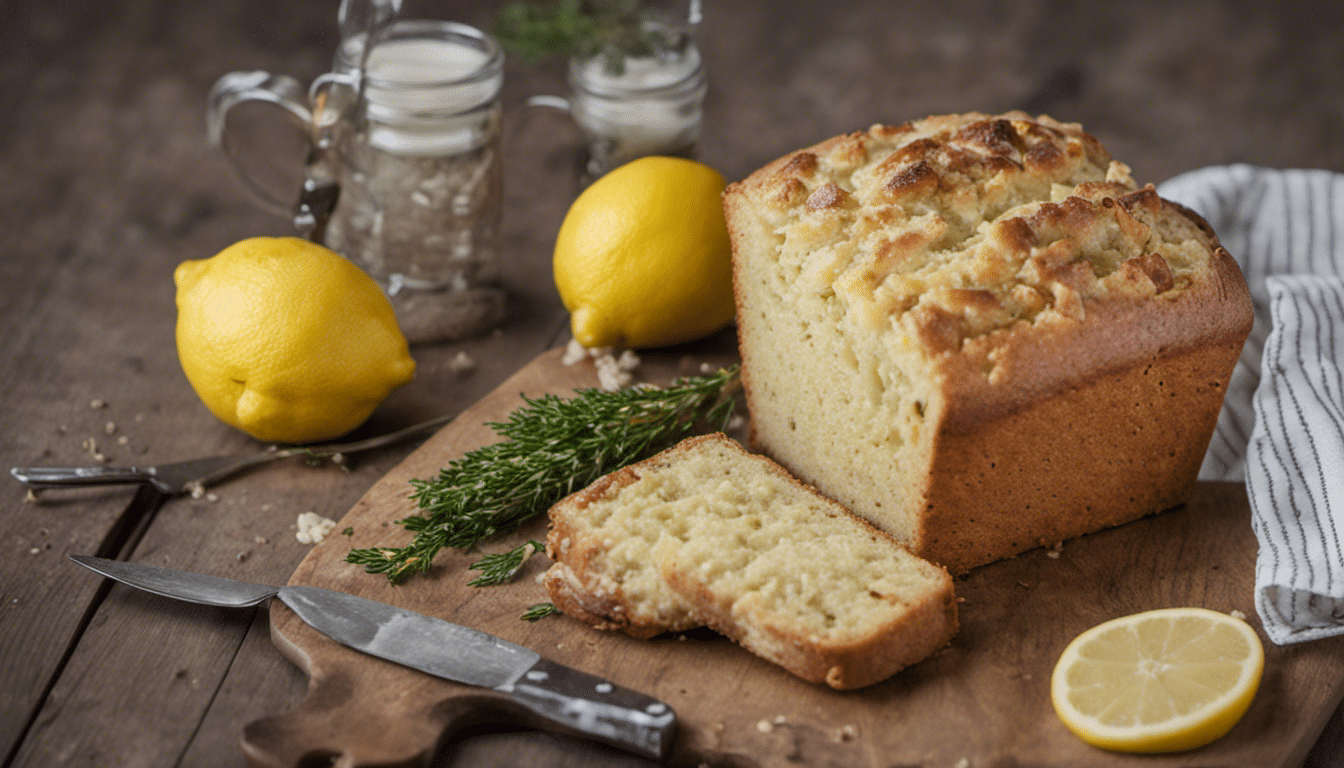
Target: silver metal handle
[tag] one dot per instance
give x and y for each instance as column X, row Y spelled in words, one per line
column 238, row 87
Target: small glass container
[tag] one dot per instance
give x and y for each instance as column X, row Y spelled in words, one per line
column 420, row 177
column 403, row 175
column 645, row 105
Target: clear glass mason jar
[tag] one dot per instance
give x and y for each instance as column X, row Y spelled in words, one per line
column 404, row 175
column 651, row 106
column 421, row 179
column 630, row 104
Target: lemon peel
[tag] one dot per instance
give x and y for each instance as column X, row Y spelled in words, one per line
column 286, row 340
column 643, row 259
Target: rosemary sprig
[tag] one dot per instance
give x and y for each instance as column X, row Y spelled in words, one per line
column 552, row 447
column 538, row 611
column 500, row 567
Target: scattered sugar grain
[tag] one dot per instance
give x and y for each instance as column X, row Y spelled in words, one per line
column 609, row 374
column 313, row 528
column 34, row 551
column 779, row 720
column 1237, row 614
column 462, row 363
column 964, row 762
column 212, row 497
column 97, row 403
column 123, row 440
column 110, row 428
column 574, row 352
column 1053, row 554
column 764, row 726
column 628, row 361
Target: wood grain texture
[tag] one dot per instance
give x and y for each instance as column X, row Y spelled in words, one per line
column 108, row 182
column 985, row 698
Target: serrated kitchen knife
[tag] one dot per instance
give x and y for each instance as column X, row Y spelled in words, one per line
column 574, row 701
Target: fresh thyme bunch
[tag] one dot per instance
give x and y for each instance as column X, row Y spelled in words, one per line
column 552, row 447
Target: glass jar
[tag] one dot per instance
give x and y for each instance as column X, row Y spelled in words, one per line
column 421, row 179
column 404, row 175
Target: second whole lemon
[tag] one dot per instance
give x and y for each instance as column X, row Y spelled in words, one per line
column 643, row 259
column 286, row 340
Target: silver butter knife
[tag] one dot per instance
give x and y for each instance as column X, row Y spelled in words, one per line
column 570, row 700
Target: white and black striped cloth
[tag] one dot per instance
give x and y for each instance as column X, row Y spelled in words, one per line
column 1282, row 425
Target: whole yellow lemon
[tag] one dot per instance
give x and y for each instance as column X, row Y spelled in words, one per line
column 286, row 340
column 642, row 258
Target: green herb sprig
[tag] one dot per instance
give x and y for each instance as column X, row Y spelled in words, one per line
column 583, row 28
column 500, row 567
column 552, row 447
column 539, row 611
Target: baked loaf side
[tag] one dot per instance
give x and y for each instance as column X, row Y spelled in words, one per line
column 978, row 333
column 708, row 534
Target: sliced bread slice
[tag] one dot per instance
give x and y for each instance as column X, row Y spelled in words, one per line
column 706, row 533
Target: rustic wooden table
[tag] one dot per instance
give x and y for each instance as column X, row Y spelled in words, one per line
column 107, row 182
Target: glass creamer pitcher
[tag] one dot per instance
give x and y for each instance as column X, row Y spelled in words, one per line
column 403, row 174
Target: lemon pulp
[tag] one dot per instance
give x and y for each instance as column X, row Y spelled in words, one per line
column 1161, row 681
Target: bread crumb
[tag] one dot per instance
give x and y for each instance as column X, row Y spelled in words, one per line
column 97, row 403
column 461, row 363
column 30, row 497
column 34, row 551
column 1237, row 614
column 313, row 528
column 260, row 539
column 212, row 497
column 1053, row 554
column 764, row 726
column 964, row 762
column 779, row 720
column 123, row 440
column 195, row 489
column 110, row 428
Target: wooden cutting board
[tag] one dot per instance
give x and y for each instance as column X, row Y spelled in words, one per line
column 984, row 701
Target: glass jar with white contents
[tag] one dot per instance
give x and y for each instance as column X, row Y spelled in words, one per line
column 420, row 177
column 637, row 95
column 404, row 175
column 638, row 105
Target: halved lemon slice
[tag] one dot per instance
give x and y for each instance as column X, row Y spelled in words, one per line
column 1159, row 681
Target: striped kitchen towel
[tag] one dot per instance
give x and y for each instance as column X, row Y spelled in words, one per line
column 1282, row 425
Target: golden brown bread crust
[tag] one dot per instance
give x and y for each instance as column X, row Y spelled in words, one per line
column 580, row 586
column 1059, row 339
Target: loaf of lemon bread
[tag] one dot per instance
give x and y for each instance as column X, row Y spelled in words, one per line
column 978, row 333
column 706, row 534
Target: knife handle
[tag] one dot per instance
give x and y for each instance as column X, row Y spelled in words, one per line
column 590, row 706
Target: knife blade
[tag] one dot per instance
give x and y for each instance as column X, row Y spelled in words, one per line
column 562, row 697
